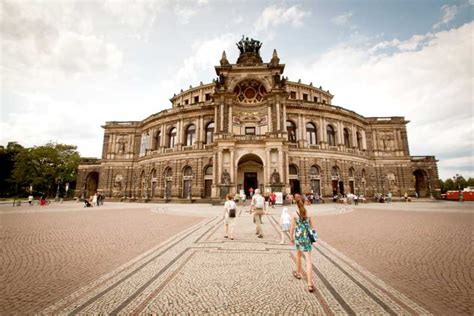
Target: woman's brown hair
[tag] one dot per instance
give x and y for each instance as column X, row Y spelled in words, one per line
column 230, row 196
column 301, row 208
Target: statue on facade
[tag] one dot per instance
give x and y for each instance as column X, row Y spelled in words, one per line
column 249, row 51
column 121, row 145
column 275, row 178
column 225, row 179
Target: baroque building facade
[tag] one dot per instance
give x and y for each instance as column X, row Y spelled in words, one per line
column 252, row 127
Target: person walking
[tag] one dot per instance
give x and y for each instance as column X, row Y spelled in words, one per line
column 257, row 205
column 230, row 212
column 300, row 222
column 30, row 199
column 285, row 223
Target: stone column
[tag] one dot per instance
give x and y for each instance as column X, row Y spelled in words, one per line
column 278, row 115
column 284, row 118
column 364, row 140
column 267, row 166
column 229, row 129
column 219, row 166
column 280, row 165
column 320, row 130
column 269, row 111
column 340, row 133
column 201, row 131
column 221, row 125
column 232, row 166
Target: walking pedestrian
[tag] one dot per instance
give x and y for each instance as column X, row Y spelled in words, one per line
column 94, row 200
column 257, row 205
column 300, row 223
column 285, row 223
column 230, row 212
column 30, row 199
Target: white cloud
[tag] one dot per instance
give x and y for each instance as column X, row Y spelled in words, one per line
column 428, row 79
column 184, row 13
column 449, row 12
column 39, row 48
column 275, row 16
column 343, row 19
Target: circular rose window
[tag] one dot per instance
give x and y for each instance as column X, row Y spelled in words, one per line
column 250, row 91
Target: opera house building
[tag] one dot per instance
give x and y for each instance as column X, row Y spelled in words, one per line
column 251, row 127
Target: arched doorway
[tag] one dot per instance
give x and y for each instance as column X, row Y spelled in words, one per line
column 421, row 183
column 153, row 183
column 294, row 179
column 208, row 172
column 187, row 178
column 168, row 183
column 92, row 183
column 250, row 173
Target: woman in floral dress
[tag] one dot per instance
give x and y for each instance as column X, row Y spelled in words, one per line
column 299, row 237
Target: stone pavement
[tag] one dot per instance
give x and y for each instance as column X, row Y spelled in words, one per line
column 199, row 271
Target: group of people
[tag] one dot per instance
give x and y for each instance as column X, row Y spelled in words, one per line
column 298, row 225
column 95, row 200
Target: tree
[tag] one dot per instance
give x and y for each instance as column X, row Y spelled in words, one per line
column 45, row 168
column 7, row 162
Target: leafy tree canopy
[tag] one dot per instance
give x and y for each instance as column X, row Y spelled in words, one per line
column 44, row 167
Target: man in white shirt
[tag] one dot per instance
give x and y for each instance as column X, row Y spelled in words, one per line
column 257, row 205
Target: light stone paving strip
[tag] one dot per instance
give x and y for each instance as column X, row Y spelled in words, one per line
column 199, row 271
column 369, row 280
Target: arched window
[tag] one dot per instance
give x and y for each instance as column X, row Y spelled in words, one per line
column 172, row 138
column 335, row 172
column 157, row 140
column 311, row 134
column 190, row 135
column 347, row 140
column 293, row 170
column 291, row 129
column 359, row 140
column 210, row 133
column 208, row 171
column 314, row 171
column 188, row 171
column 363, row 173
column 331, row 135
column 351, row 172
column 169, row 172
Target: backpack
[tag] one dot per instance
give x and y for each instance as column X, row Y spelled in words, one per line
column 259, row 201
column 232, row 211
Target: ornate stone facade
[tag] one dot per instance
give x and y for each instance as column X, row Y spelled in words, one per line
column 251, row 127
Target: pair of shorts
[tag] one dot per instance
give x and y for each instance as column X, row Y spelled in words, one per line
column 285, row 227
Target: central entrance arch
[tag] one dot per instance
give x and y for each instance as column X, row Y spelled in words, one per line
column 250, row 173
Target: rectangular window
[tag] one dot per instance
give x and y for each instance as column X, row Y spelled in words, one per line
column 315, row 99
column 250, row 130
column 305, row 97
column 208, row 97
column 324, row 101
column 186, row 102
column 196, row 99
column 292, row 94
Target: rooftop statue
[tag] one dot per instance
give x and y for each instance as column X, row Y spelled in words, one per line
column 249, row 51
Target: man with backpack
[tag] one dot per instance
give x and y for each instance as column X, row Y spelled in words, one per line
column 257, row 205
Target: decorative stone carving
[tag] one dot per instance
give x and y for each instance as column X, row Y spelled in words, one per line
column 275, row 178
column 225, row 178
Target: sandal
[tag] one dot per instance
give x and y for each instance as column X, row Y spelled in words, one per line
column 311, row 288
column 297, row 275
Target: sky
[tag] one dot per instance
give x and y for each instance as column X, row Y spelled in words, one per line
column 67, row 67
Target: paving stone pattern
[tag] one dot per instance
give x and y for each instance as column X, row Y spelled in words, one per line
column 200, row 271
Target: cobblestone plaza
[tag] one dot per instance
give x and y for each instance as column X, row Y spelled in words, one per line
column 123, row 258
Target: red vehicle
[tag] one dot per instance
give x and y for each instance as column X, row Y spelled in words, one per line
column 467, row 195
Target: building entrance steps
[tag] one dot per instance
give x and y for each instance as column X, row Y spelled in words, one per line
column 200, row 271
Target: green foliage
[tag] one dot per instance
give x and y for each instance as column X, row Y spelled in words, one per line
column 7, row 161
column 44, row 167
